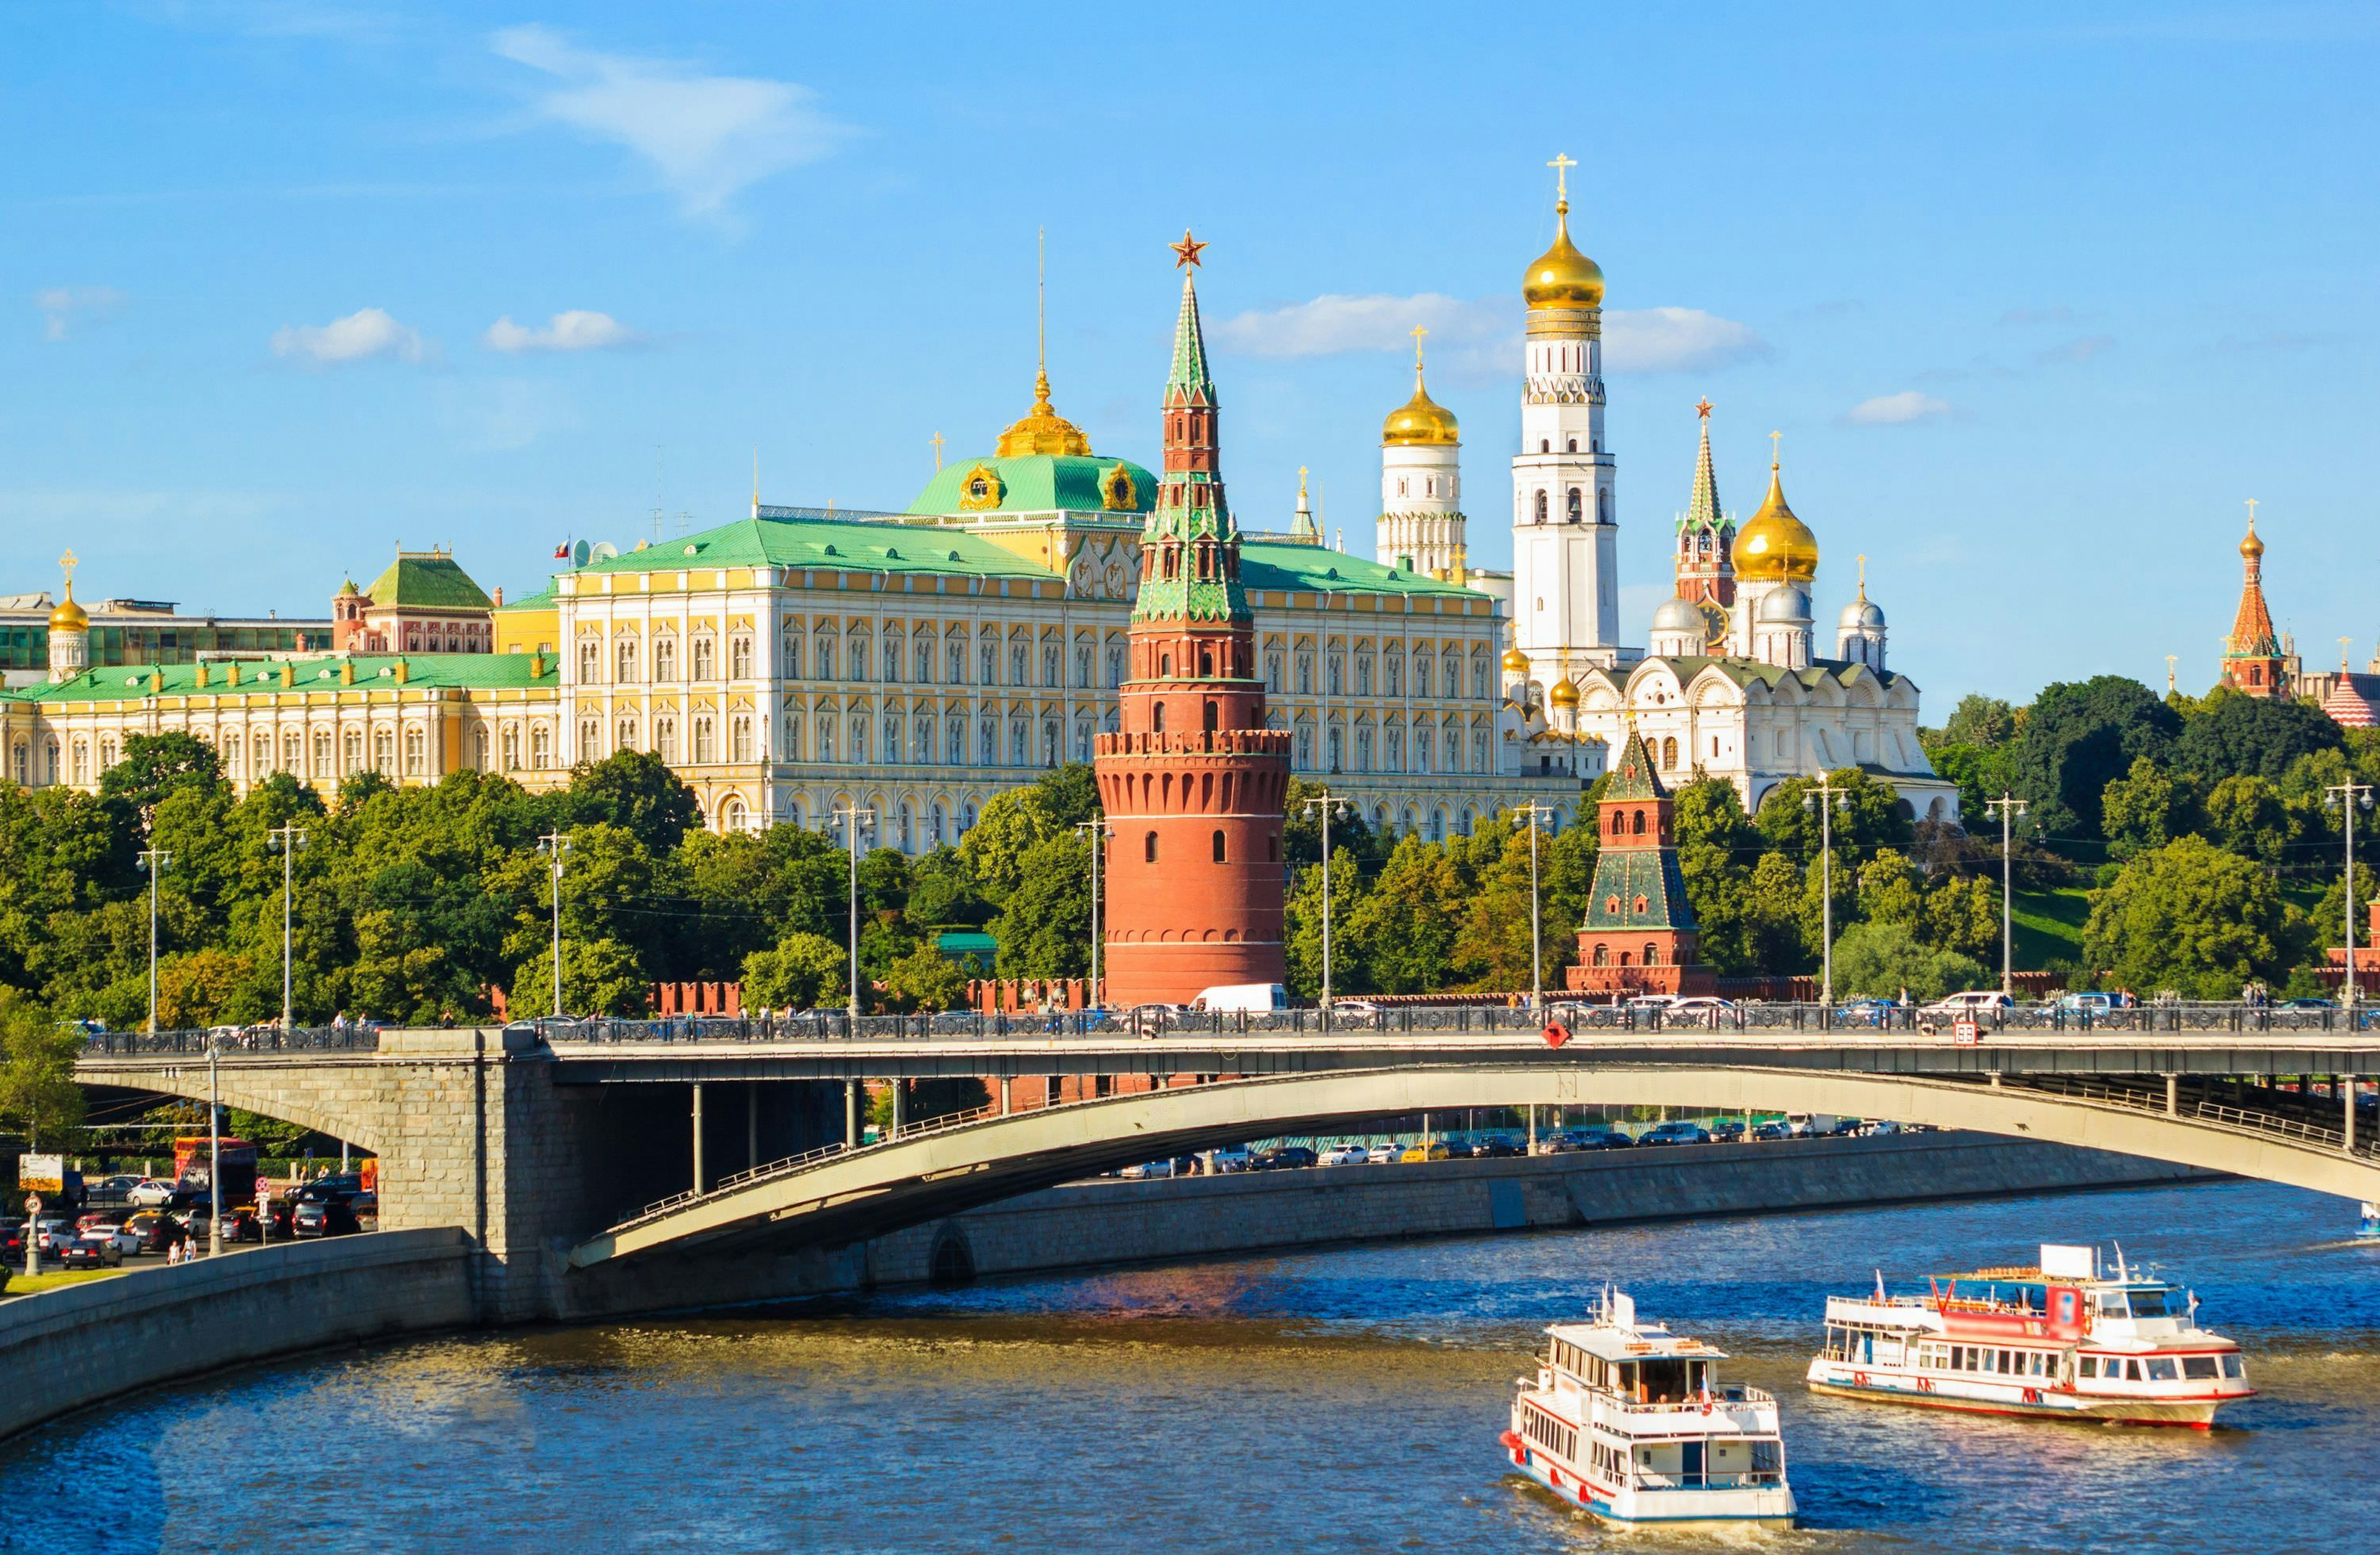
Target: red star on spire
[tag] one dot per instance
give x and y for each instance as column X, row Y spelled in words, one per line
column 1185, row 253
column 1702, row 408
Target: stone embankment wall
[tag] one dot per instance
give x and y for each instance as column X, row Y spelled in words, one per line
column 1110, row 1222
column 77, row 1345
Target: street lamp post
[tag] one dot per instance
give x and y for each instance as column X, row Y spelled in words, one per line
column 2348, row 798
column 286, row 840
column 1825, row 798
column 153, row 864
column 214, row 1153
column 556, row 846
column 1328, row 803
column 852, row 819
column 2007, row 807
column 1537, row 937
column 1096, row 832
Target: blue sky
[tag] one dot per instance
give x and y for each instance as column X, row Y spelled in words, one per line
column 2036, row 302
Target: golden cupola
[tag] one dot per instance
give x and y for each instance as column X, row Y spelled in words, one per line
column 1775, row 546
column 1563, row 694
column 69, row 616
column 1041, row 430
column 1515, row 662
column 1561, row 276
column 1420, row 421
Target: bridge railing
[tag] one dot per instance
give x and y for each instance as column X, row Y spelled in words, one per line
column 2150, row 1096
column 1578, row 1018
column 196, row 1041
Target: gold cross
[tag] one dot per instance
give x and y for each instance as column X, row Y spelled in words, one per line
column 937, row 450
column 1775, row 440
column 2344, row 644
column 1417, row 333
column 2252, row 513
column 1562, row 164
column 2170, row 660
column 1862, row 575
column 68, row 562
column 1185, row 253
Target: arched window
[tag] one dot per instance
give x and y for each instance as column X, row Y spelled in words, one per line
column 1148, row 848
column 1652, row 955
column 739, row 657
column 541, row 748
column 1571, row 447
column 383, row 751
column 1618, row 823
column 731, row 814
column 625, row 657
column 590, row 740
column 1219, row 848
column 589, row 662
column 705, row 741
column 1670, row 753
column 1638, row 826
column 793, row 657
column 1603, row 955
column 1572, row 508
column 1213, row 717
column 1640, row 906
column 740, row 738
column 704, row 658
column 1603, row 505
column 665, row 658
column 1541, row 507
column 665, row 740
column 1157, row 714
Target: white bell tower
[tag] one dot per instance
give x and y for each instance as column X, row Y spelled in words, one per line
column 1565, row 583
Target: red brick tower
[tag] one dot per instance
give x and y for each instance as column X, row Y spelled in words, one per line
column 1195, row 785
column 1640, row 934
column 1705, row 569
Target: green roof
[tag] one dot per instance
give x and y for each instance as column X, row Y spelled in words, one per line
column 1041, row 483
column 841, row 545
column 1315, row 569
column 126, row 682
column 427, row 580
column 544, row 598
column 956, row 942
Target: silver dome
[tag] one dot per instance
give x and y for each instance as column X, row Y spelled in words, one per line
column 1786, row 607
column 1862, row 615
column 1677, row 615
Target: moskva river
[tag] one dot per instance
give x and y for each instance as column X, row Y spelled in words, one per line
column 1345, row 1401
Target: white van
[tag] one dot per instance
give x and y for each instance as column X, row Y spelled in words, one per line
column 1969, row 1003
column 1232, row 998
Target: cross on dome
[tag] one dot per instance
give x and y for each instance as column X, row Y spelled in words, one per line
column 1562, row 164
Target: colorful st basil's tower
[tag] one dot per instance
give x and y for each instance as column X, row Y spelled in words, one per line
column 2253, row 660
column 1194, row 784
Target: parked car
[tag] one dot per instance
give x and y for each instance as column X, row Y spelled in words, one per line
column 1590, row 1139
column 338, row 1184
column 331, row 1216
column 1495, row 1146
column 147, row 1193
column 1771, row 1131
column 1865, row 1012
column 111, row 1190
column 1360, row 1008
column 52, row 1236
column 1136, row 1173
column 1726, row 1131
column 1675, row 1134
column 1702, row 1007
column 1236, row 1158
column 12, row 1241
column 2308, row 1003
column 157, row 1231
column 91, row 1252
column 1281, row 1157
column 240, row 1223
column 1459, row 1149
column 1432, row 1149
column 1345, row 1155
column 113, row 1229
column 1973, row 1002
column 1876, row 1126
column 1384, row 1154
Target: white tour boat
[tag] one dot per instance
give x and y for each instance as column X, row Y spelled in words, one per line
column 1629, row 1421
column 2072, row 1337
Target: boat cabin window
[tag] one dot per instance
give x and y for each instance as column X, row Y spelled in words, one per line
column 2231, row 1364
column 1662, row 1380
column 2198, row 1368
column 2090, row 1366
column 2162, row 1369
column 2149, row 1303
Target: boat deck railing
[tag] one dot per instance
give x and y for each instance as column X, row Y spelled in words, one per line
column 1741, row 1479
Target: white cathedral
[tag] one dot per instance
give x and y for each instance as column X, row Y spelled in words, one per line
column 1731, row 682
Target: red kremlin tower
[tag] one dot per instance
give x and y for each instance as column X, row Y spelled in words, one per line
column 1195, row 785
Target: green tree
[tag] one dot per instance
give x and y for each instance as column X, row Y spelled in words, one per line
column 1492, row 943
column 1962, row 916
column 802, row 971
column 2191, row 917
column 205, row 987
column 2149, row 807
column 637, row 792
column 2248, row 815
column 1890, row 892
column 1869, row 814
column 2078, row 737
column 155, row 765
column 1718, row 847
column 1880, row 960
column 1044, row 931
column 39, row 1098
column 1983, row 773
column 944, row 894
column 2326, row 920
column 1012, row 824
column 750, row 890
column 926, row 979
column 599, row 978
column 1300, row 838
column 1304, row 929
column 2238, row 735
column 1981, row 721
column 1403, row 929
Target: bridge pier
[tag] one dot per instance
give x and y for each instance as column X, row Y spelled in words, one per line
column 700, row 1182
column 850, row 1114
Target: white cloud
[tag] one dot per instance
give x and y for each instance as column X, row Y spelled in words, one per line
column 1643, row 340
column 707, row 136
column 60, row 306
column 1894, row 411
column 576, row 330
column 1333, row 324
column 366, row 333
column 1675, row 340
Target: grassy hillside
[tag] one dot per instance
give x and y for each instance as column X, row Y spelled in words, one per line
column 2049, row 926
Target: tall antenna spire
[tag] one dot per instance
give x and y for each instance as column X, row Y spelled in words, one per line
column 756, row 483
column 1041, row 305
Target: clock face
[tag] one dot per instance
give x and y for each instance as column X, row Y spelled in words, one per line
column 1714, row 622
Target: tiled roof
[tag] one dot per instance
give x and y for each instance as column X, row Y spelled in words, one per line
column 1042, row 483
column 838, row 546
column 126, row 682
column 427, row 580
column 1315, row 570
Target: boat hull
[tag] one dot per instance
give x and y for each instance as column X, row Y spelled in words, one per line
column 2043, row 1403
column 1757, row 1507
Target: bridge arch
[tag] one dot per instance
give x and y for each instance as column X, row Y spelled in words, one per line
column 849, row 1195
column 332, row 1098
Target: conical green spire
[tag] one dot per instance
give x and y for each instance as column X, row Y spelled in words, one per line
column 1703, row 511
column 1189, row 379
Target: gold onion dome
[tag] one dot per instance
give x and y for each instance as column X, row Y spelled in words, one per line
column 1561, row 276
column 1564, row 694
column 2252, row 548
column 69, row 616
column 1420, row 421
column 1515, row 662
column 1041, row 430
column 1776, row 547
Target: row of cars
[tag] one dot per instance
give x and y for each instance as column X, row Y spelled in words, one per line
column 1605, row 1137
column 335, row 1206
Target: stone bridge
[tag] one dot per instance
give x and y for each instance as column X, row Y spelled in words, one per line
column 588, row 1173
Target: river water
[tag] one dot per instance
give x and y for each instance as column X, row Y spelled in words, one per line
column 1348, row 1400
